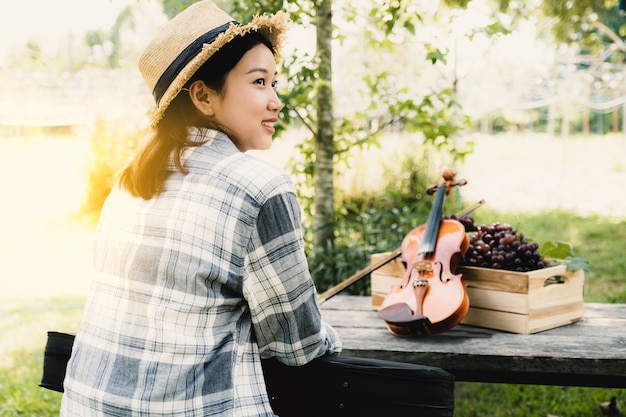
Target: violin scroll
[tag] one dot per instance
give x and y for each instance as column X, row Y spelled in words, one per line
column 448, row 181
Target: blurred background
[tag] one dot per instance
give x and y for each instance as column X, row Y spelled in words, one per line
column 527, row 97
column 524, row 99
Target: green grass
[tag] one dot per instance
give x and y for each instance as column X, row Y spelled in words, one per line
column 499, row 400
column 22, row 341
column 601, row 241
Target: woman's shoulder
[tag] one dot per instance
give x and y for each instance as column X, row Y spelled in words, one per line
column 258, row 176
column 217, row 157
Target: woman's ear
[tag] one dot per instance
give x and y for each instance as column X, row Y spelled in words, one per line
column 200, row 96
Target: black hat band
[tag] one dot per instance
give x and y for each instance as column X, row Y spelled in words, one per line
column 184, row 58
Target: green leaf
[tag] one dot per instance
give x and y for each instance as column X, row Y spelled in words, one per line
column 556, row 249
column 575, row 263
column 497, row 28
column 435, row 55
column 408, row 25
column 563, row 251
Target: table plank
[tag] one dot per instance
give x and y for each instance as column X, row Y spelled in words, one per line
column 591, row 352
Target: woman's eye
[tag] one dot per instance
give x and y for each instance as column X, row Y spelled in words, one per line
column 261, row 81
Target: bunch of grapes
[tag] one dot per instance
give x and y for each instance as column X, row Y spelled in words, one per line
column 500, row 246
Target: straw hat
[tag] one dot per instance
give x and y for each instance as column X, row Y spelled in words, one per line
column 189, row 40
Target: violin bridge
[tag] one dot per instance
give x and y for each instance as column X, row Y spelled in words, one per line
column 420, row 270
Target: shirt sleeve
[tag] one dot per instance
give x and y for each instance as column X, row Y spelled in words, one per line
column 279, row 289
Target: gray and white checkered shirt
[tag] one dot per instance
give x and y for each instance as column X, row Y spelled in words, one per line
column 191, row 289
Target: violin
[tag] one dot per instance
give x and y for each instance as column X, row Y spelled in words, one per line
column 431, row 298
column 328, row 294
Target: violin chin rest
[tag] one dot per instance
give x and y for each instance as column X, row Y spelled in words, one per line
column 399, row 313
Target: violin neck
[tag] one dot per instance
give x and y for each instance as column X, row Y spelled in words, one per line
column 429, row 240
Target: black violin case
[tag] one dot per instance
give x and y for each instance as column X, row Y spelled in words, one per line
column 328, row 386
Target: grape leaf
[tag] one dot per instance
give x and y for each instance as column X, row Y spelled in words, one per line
column 556, row 249
column 575, row 263
column 562, row 250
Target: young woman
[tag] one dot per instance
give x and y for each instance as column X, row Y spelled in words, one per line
column 199, row 263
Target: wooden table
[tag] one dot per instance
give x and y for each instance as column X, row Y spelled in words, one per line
column 590, row 353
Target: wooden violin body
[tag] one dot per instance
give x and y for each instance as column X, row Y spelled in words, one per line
column 431, row 297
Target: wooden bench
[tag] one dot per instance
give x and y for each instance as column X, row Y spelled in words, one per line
column 589, row 353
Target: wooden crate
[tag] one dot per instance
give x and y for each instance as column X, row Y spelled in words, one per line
column 518, row 302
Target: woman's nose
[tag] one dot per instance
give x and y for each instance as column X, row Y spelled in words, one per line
column 275, row 103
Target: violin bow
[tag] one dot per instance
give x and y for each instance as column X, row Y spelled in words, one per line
column 326, row 295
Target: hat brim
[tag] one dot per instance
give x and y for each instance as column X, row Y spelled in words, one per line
column 272, row 27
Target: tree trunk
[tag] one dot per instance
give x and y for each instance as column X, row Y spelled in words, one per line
column 324, row 201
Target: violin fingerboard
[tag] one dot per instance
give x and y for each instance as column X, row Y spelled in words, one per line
column 429, row 241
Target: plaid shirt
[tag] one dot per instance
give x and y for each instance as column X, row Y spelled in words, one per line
column 191, row 289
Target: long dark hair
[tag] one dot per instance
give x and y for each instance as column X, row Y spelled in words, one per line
column 147, row 171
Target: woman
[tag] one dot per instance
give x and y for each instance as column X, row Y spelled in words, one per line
column 200, row 270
